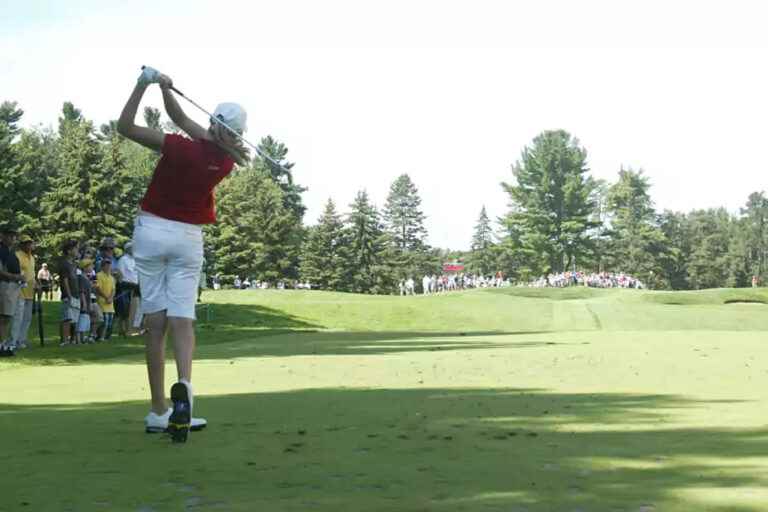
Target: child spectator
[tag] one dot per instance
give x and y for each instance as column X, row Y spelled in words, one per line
column 105, row 292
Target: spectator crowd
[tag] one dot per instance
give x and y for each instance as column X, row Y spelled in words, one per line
column 98, row 291
column 432, row 284
column 592, row 280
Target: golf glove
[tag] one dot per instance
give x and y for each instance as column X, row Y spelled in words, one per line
column 149, row 76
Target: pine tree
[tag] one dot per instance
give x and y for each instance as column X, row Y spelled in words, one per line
column 13, row 199
column 636, row 242
column 482, row 255
column 72, row 206
column 403, row 216
column 368, row 269
column 256, row 234
column 325, row 252
column 282, row 174
column 551, row 204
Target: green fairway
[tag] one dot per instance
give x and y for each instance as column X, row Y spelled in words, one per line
column 510, row 399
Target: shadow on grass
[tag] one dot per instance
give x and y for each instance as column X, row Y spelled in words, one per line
column 236, row 330
column 405, row 450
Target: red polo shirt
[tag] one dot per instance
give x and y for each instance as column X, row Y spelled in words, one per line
column 182, row 184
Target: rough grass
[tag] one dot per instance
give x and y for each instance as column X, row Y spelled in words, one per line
column 512, row 399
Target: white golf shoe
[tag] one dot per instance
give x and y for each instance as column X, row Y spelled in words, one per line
column 158, row 424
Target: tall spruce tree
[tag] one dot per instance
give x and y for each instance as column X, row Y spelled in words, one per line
column 13, row 199
column 755, row 233
column 324, row 256
column 552, row 206
column 710, row 238
column 282, row 174
column 637, row 243
column 253, row 235
column 482, row 254
column 369, row 272
column 72, row 207
column 403, row 216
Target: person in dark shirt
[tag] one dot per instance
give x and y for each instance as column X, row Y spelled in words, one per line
column 70, row 292
column 10, row 285
column 84, row 320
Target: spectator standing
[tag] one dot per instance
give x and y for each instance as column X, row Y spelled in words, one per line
column 23, row 317
column 128, row 292
column 10, row 279
column 203, row 281
column 84, row 318
column 70, row 293
column 106, row 252
column 45, row 281
column 105, row 298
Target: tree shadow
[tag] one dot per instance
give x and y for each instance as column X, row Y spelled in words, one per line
column 235, row 330
column 386, row 449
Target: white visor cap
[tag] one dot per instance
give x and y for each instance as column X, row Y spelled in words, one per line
column 233, row 115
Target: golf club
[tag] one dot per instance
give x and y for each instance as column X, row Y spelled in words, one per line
column 230, row 129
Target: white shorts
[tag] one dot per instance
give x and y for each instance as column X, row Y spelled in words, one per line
column 169, row 256
column 70, row 310
column 84, row 322
column 10, row 295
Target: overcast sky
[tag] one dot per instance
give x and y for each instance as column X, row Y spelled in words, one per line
column 448, row 92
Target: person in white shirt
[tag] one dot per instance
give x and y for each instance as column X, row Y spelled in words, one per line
column 425, row 282
column 409, row 286
column 128, row 290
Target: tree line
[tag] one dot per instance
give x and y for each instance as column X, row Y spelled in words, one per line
column 85, row 182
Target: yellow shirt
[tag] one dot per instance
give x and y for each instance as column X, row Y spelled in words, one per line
column 27, row 262
column 106, row 284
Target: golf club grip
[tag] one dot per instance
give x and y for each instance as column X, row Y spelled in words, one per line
column 171, row 87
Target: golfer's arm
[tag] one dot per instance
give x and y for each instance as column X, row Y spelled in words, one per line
column 65, row 288
column 127, row 127
column 173, row 109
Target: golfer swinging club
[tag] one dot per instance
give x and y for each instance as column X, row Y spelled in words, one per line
column 168, row 238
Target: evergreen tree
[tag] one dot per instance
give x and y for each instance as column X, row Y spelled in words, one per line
column 71, row 207
column 13, row 199
column 710, row 237
column 755, row 234
column 552, row 206
column 282, row 175
column 254, row 234
column 369, row 272
column 482, row 255
column 637, row 244
column 326, row 251
column 35, row 163
column 675, row 227
column 403, row 216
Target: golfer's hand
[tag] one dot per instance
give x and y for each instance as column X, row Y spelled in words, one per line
column 165, row 81
column 149, row 76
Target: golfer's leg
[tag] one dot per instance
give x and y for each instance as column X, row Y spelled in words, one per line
column 183, row 281
column 155, row 351
column 183, row 330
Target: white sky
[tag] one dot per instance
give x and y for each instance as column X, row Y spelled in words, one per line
column 448, row 92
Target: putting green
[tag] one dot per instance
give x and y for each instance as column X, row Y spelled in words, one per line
column 509, row 400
